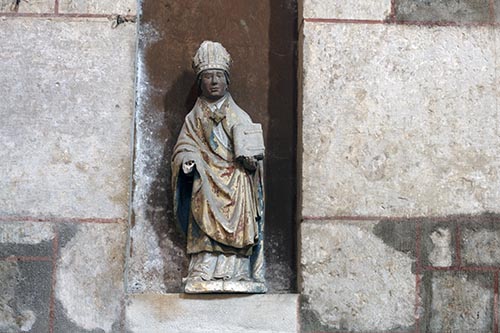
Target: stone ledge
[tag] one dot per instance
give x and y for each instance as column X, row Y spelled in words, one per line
column 212, row 313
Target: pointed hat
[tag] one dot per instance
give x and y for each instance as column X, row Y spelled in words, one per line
column 211, row 55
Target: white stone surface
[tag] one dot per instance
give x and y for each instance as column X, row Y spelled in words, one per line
column 25, row 232
column 146, row 266
column 353, row 281
column 122, row 7
column 90, row 276
column 400, row 120
column 341, row 9
column 27, row 6
column 67, row 103
column 441, row 255
column 150, row 251
column 178, row 313
column 497, row 68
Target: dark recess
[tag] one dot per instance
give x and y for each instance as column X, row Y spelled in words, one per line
column 261, row 37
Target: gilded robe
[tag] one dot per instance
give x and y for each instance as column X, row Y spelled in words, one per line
column 220, row 205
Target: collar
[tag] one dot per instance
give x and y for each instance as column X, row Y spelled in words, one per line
column 216, row 105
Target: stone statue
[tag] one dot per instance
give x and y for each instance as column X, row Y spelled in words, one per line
column 217, row 176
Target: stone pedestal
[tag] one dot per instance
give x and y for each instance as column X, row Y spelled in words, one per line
column 213, row 313
column 193, row 286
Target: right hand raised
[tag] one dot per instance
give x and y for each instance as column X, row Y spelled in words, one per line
column 188, row 167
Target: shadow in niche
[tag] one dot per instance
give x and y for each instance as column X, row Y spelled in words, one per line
column 176, row 105
column 281, row 143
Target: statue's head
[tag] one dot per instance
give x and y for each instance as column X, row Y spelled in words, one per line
column 211, row 64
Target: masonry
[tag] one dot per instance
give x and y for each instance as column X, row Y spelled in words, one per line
column 67, row 81
column 398, row 142
column 400, row 209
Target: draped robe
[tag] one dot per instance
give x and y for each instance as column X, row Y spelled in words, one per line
column 220, row 205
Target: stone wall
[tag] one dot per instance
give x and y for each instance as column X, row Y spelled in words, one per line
column 399, row 130
column 68, row 74
column 400, row 172
column 66, row 105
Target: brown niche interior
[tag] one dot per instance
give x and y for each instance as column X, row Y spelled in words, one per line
column 261, row 38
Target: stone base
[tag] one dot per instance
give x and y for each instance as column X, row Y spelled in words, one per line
column 181, row 313
column 221, row 286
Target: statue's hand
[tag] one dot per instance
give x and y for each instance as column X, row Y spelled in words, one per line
column 249, row 163
column 188, row 167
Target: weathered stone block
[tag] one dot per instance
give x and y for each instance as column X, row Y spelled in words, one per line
column 31, row 6
column 26, row 239
column 89, row 288
column 177, row 313
column 25, row 296
column 361, row 10
column 460, row 11
column 441, row 254
column 387, row 131
column 353, row 280
column 67, row 102
column 457, row 302
column 158, row 261
column 123, row 7
column 398, row 234
column 497, row 72
column 438, row 240
column 481, row 244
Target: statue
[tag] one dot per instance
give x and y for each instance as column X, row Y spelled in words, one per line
column 217, row 177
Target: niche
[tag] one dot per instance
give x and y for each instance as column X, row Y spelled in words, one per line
column 261, row 37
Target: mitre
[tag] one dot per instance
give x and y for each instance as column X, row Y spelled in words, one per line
column 211, row 55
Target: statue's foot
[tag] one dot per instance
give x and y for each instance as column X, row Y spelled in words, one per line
column 242, row 279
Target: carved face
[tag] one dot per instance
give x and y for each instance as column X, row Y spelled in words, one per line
column 213, row 84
